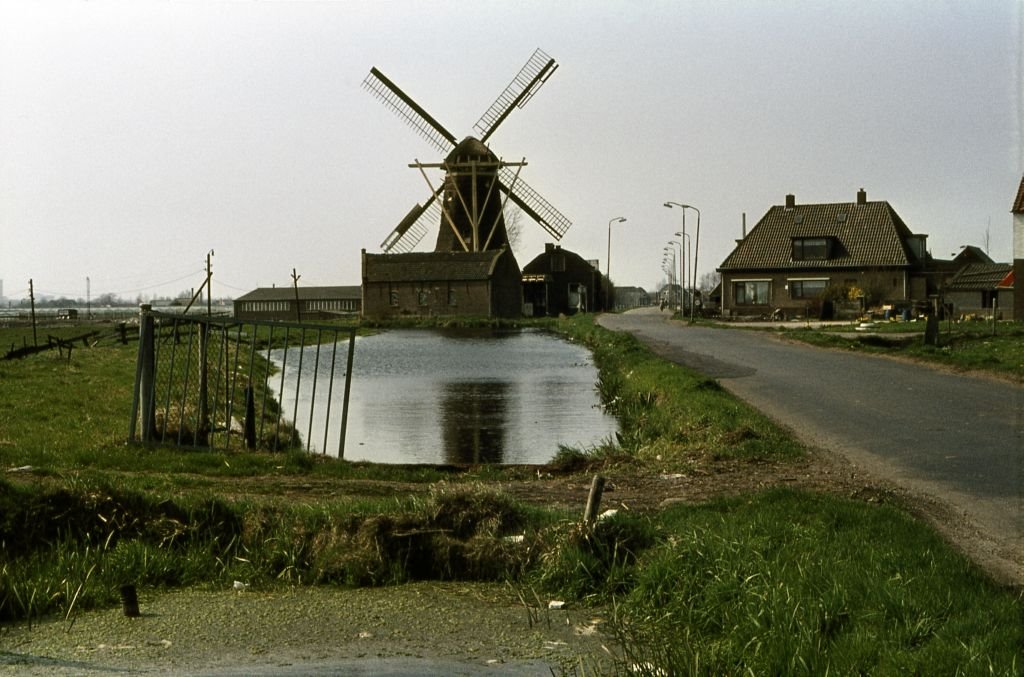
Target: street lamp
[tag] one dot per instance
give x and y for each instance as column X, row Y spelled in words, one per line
column 682, row 294
column 675, row 263
column 696, row 246
column 682, row 288
column 608, row 261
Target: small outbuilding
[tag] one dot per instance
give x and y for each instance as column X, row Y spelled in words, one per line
column 562, row 282
column 979, row 287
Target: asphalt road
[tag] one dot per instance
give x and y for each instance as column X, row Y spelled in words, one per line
column 948, row 436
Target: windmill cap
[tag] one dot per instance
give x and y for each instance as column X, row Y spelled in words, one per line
column 470, row 148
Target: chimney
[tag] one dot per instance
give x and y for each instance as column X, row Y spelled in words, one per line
column 744, row 224
column 862, row 197
column 790, row 201
column 549, row 247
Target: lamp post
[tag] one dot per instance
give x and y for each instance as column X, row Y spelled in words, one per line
column 682, row 289
column 608, row 260
column 673, row 267
column 687, row 259
column 696, row 246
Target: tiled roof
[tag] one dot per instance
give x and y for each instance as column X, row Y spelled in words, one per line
column 571, row 262
column 305, row 293
column 1018, row 204
column 979, row 276
column 869, row 234
column 420, row 266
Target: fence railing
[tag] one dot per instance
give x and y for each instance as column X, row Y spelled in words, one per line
column 218, row 383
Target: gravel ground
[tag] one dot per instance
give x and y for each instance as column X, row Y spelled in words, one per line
column 416, row 629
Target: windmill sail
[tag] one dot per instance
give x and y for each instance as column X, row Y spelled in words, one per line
column 531, row 202
column 404, row 107
column 518, row 92
column 416, row 224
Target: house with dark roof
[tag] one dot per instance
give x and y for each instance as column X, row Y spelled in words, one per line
column 800, row 257
column 561, row 282
column 304, row 303
column 980, row 288
column 483, row 284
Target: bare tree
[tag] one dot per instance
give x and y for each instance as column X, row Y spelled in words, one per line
column 709, row 281
column 513, row 224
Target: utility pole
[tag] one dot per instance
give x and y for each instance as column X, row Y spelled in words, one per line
column 203, row 432
column 32, row 301
column 88, row 298
column 295, row 284
column 209, row 289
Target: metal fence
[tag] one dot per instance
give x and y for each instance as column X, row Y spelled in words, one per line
column 217, row 383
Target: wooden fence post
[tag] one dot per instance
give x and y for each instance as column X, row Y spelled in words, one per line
column 594, row 500
column 147, row 373
column 348, row 390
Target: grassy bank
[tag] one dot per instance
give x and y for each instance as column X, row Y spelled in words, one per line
column 964, row 346
column 778, row 581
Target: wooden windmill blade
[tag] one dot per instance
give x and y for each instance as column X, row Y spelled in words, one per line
column 524, row 85
column 531, row 202
column 402, row 105
column 416, row 224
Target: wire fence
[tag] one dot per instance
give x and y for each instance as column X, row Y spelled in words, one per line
column 218, row 383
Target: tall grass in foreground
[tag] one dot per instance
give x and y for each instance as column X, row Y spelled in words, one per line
column 790, row 583
column 781, row 582
column 72, row 548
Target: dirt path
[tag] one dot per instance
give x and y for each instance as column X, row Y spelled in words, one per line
column 416, row 629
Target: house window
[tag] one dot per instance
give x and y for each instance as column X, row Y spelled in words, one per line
column 394, row 297
column 811, row 248
column 451, row 297
column 751, row 292
column 806, row 289
column 421, row 297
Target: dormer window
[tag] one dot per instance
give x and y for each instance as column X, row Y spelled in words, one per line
column 811, row 248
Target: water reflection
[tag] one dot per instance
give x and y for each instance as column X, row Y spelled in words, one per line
column 422, row 396
column 474, row 419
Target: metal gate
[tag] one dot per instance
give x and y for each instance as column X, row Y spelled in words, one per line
column 217, row 383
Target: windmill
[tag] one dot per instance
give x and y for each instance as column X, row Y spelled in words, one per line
column 469, row 204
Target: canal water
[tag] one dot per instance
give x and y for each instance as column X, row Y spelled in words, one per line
column 455, row 396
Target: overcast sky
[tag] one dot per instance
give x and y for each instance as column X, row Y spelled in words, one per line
column 136, row 137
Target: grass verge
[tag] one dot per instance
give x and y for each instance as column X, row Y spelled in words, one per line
column 963, row 346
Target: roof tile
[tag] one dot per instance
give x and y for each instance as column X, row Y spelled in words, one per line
column 869, row 234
